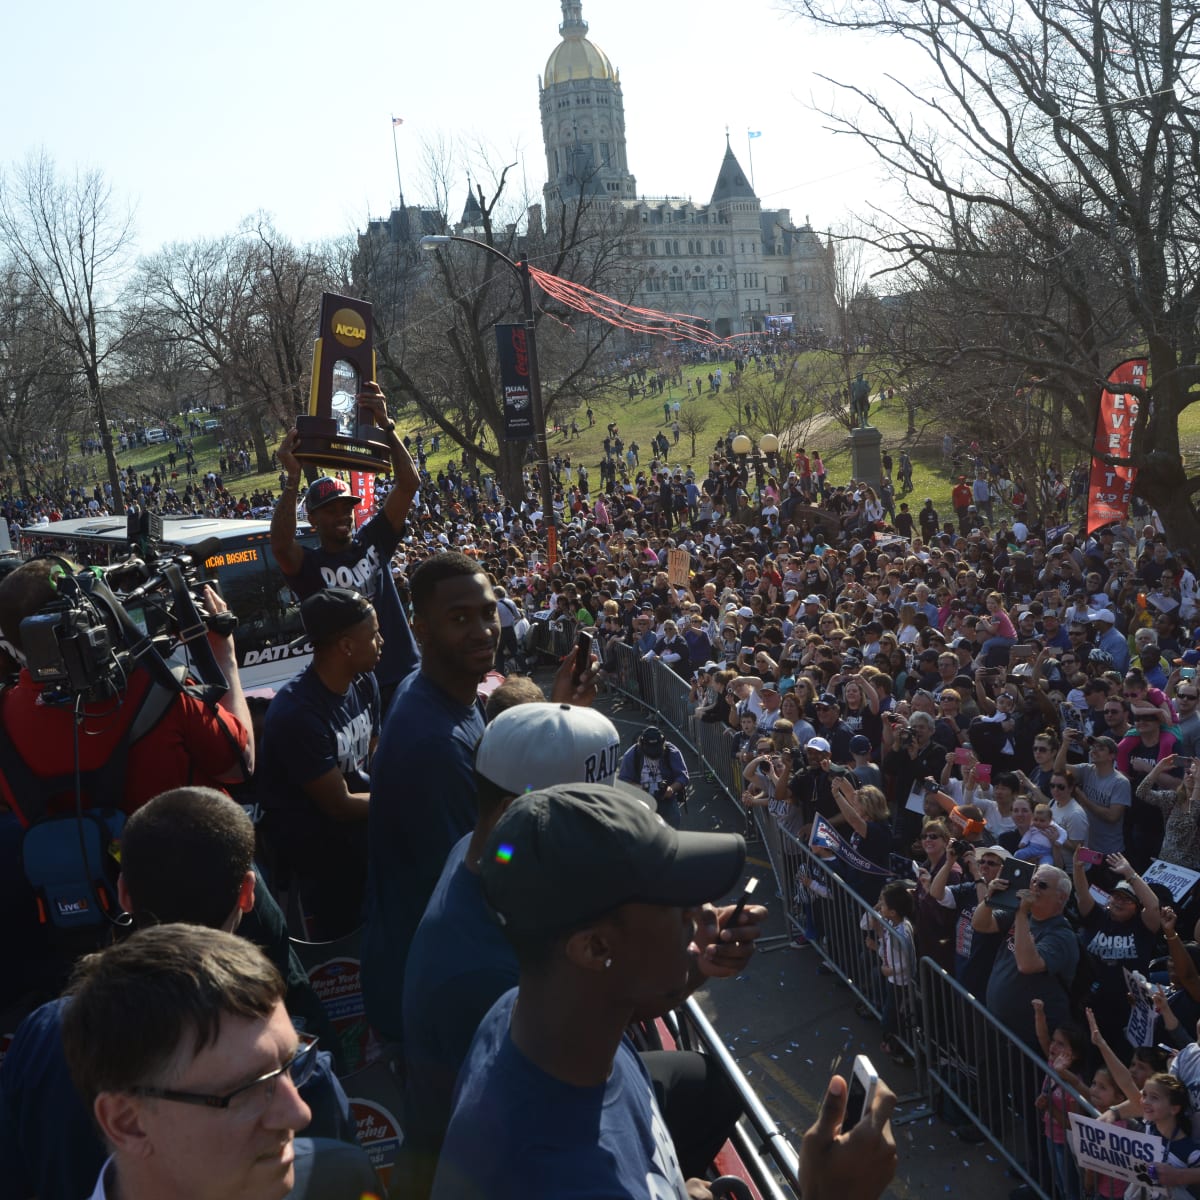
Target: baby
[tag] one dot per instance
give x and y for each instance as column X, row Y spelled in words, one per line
column 1038, row 842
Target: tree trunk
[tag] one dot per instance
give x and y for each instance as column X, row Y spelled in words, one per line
column 262, row 452
column 509, row 470
column 106, row 442
column 1163, row 482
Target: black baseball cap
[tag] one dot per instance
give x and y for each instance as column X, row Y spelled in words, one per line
column 322, row 490
column 332, row 611
column 567, row 854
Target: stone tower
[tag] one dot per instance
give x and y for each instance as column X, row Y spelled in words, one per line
column 583, row 118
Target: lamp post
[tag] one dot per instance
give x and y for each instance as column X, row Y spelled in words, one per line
column 434, row 241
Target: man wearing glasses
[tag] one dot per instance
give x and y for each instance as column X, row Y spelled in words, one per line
column 186, row 860
column 179, row 1042
column 1038, row 958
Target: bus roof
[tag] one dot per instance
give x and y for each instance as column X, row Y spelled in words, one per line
column 177, row 530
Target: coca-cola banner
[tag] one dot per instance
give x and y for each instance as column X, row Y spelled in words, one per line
column 362, row 483
column 512, row 349
column 1110, row 487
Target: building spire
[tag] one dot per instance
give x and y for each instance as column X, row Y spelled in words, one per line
column 573, row 23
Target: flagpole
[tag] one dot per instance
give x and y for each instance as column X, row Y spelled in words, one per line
column 396, row 152
column 750, row 153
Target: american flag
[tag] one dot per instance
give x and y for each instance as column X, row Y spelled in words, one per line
column 397, row 120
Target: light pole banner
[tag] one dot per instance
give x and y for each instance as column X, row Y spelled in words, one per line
column 512, row 352
column 1109, row 487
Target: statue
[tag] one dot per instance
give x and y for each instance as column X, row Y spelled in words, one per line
column 860, row 401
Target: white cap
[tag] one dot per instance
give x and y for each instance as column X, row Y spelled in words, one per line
column 745, row 611
column 818, row 743
column 1102, row 614
column 533, row 746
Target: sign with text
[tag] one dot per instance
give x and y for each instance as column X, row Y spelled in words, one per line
column 1110, row 487
column 512, row 354
column 679, row 568
column 362, row 483
column 1177, row 880
column 1118, row 1152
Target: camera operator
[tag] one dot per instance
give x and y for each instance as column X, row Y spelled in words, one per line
column 128, row 748
column 910, row 757
column 656, row 766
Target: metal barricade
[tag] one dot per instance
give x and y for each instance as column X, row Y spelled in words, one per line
column 995, row 1080
column 692, row 1030
column 962, row 1055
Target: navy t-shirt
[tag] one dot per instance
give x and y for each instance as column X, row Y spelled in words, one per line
column 366, row 566
column 518, row 1132
column 422, row 802
column 459, row 965
column 308, row 731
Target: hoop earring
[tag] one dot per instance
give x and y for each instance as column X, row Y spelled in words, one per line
column 607, row 963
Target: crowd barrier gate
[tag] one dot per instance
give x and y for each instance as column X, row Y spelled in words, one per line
column 964, row 1058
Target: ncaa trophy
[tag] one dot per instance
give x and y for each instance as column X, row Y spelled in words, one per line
column 338, row 433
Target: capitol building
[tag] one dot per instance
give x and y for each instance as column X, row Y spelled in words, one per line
column 734, row 265
column 730, row 263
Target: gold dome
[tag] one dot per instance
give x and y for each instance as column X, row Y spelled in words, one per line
column 576, row 58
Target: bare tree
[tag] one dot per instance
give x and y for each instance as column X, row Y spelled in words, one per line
column 435, row 316
column 692, row 423
column 71, row 247
column 1072, row 129
column 243, row 308
column 37, row 382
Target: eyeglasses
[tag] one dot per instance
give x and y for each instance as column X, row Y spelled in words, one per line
column 251, row 1099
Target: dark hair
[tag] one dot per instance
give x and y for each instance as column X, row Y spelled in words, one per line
column 1154, row 1057
column 424, row 580
column 184, row 856
column 1077, row 1038
column 23, row 592
column 133, row 1005
column 898, row 896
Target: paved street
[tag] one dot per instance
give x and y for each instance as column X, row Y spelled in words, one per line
column 790, row 1027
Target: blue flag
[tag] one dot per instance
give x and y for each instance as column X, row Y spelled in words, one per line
column 754, row 133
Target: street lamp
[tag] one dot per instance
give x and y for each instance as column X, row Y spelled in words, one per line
column 434, row 241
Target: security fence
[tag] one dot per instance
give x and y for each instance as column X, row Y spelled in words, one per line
column 969, row 1066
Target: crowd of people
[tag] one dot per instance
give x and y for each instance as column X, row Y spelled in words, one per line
column 961, row 692
column 519, row 911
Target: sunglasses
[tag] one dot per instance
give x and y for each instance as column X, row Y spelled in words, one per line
column 1187, row 696
column 1060, row 787
column 932, row 837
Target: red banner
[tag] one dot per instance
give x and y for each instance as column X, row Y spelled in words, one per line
column 362, row 483
column 1109, row 487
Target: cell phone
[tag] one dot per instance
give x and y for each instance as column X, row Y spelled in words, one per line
column 751, row 888
column 1182, row 762
column 983, row 773
column 931, row 786
column 583, row 656
column 860, row 1094
column 1093, row 858
column 962, row 755
column 1187, row 672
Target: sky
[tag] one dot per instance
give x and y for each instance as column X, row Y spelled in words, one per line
column 202, row 115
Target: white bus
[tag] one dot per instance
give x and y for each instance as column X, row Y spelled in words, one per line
column 244, row 568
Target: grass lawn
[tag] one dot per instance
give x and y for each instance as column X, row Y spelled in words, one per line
column 641, row 418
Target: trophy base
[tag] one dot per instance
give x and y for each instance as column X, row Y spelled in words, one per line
column 323, row 446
